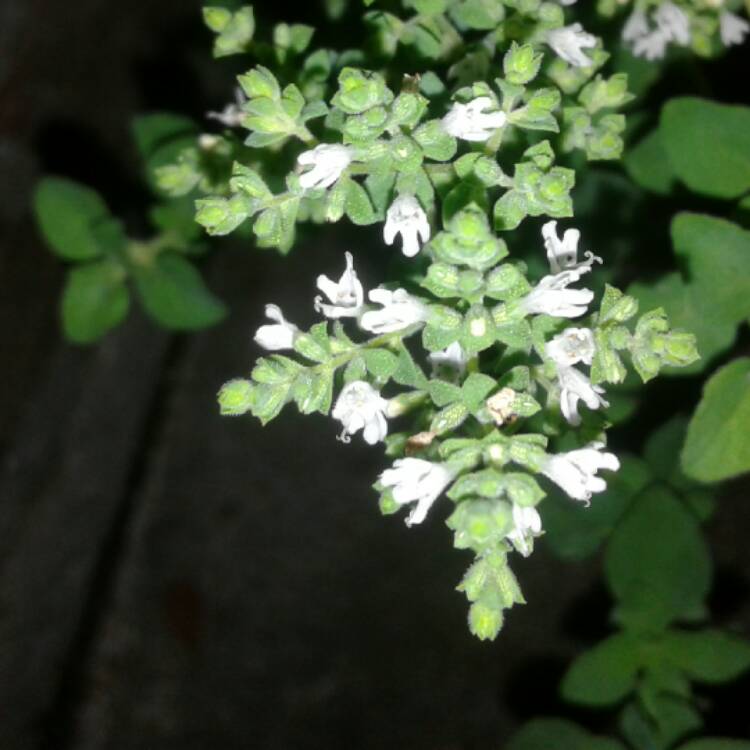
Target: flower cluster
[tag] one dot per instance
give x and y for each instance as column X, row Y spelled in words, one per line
column 470, row 373
column 652, row 27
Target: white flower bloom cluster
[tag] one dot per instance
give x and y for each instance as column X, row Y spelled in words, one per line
column 407, row 218
column 574, row 345
column 575, row 471
column 346, row 296
column 551, row 295
column 568, row 43
column 399, row 310
column 732, row 28
column 327, row 163
column 527, row 524
column 278, row 336
column 671, row 25
column 360, row 407
column 414, row 480
column 472, row 121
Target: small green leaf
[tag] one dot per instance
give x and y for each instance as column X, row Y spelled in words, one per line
column 558, row 734
column 648, row 164
column 407, row 371
column 95, row 300
column 357, row 206
column 717, row 255
column 717, row 445
column 68, row 214
column 606, row 674
column 380, row 362
column 476, row 388
column 669, row 577
column 443, row 393
column 709, row 656
column 174, row 294
column 717, row 165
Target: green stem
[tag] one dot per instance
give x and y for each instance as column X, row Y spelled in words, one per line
column 385, row 340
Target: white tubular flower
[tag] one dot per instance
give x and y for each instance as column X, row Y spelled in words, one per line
column 414, row 480
column 471, row 122
column 452, row 358
column 232, row 114
column 278, row 336
column 575, row 387
column 527, row 524
column 575, row 471
column 400, row 310
column 552, row 297
column 572, row 346
column 346, row 296
column 673, row 22
column 653, row 46
column 327, row 162
column 568, row 43
column 563, row 254
column 360, row 407
column 635, row 27
column 732, row 28
column 407, row 218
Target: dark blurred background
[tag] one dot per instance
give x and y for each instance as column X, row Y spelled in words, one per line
column 172, row 579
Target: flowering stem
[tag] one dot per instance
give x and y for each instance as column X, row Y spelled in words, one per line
column 385, row 340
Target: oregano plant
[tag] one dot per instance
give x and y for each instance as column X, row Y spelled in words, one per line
column 492, row 366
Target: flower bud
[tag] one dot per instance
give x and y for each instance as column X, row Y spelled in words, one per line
column 235, row 397
column 359, row 90
column 485, row 622
column 521, row 64
column 478, row 524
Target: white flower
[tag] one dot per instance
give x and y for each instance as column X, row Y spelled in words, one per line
column 560, row 253
column 673, row 22
column 572, row 346
column 327, row 162
column 568, row 41
column 563, row 254
column 407, row 218
column 399, row 311
column 346, row 296
column 360, row 407
column 278, row 336
column 568, row 2
column 414, row 480
column 732, row 28
column 527, row 524
column 636, row 26
column 552, row 297
column 232, row 114
column 653, row 46
column 470, row 121
column 452, row 358
column 575, row 387
column 575, row 471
